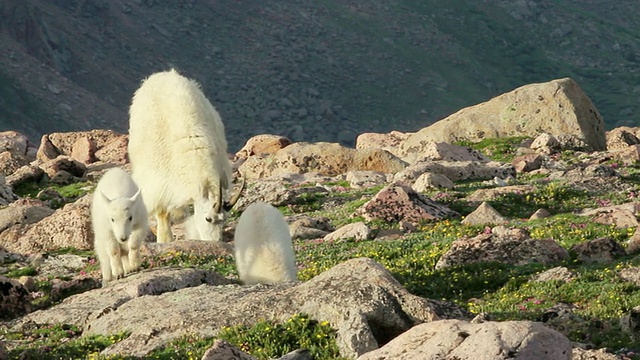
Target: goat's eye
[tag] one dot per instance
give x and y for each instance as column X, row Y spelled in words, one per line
column 130, row 218
column 208, row 219
column 112, row 220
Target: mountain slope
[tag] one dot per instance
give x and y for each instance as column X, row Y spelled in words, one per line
column 321, row 70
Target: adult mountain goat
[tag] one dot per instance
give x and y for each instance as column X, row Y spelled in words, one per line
column 178, row 153
column 119, row 221
column 263, row 248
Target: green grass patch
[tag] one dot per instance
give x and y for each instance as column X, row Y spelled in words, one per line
column 268, row 339
column 59, row 341
column 23, row 271
column 68, row 193
column 264, row 340
column 497, row 149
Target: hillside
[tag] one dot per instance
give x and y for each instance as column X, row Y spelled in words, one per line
column 310, row 70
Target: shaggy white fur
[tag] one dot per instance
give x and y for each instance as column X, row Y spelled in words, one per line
column 178, row 153
column 263, row 248
column 119, row 221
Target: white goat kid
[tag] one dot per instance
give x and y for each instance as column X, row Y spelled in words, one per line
column 178, row 153
column 263, row 249
column 120, row 224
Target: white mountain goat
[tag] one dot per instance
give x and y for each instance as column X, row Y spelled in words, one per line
column 120, row 224
column 178, row 153
column 263, row 248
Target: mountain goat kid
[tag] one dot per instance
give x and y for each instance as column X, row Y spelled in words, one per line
column 263, row 248
column 178, row 153
column 119, row 221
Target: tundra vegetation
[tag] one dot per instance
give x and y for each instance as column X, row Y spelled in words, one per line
column 504, row 292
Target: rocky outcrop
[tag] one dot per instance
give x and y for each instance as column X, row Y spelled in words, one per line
column 558, row 107
column 66, row 227
column 83, row 146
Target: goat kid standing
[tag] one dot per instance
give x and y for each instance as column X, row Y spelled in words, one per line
column 120, row 224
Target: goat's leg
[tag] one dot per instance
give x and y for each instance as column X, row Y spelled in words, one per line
column 164, row 234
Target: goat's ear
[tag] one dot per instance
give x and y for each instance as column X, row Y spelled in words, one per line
column 105, row 197
column 135, row 196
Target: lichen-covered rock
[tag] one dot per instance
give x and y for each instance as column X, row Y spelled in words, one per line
column 399, row 202
column 510, row 246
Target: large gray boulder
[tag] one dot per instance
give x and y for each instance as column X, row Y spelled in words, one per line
column 359, row 298
column 557, row 107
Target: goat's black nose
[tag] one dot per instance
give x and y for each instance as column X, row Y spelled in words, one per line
column 123, row 239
